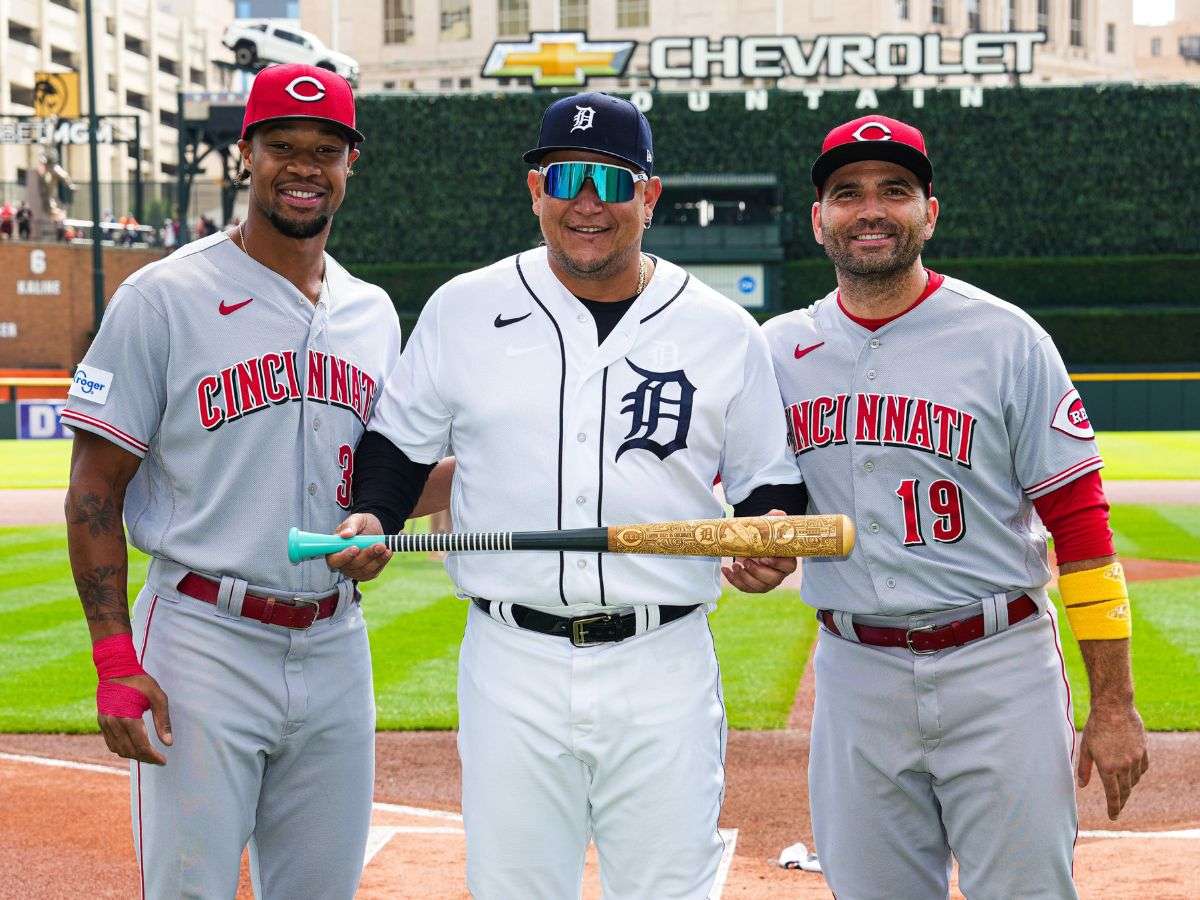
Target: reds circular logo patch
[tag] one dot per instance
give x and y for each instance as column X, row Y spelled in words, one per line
column 1071, row 418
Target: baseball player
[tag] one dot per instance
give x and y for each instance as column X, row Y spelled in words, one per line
column 941, row 419
column 585, row 383
column 221, row 402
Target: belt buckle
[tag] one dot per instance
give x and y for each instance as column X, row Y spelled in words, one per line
column 908, row 640
column 578, row 637
column 294, row 603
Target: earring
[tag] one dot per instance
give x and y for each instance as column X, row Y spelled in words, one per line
column 648, row 222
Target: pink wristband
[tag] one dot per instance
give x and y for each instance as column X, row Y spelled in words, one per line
column 114, row 657
column 120, row 700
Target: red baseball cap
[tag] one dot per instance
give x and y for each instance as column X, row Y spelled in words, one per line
column 297, row 91
column 873, row 137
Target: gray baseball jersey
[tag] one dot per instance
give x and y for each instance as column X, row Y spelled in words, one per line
column 551, row 431
column 934, row 433
column 233, row 387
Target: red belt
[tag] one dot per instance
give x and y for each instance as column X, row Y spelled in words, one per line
column 931, row 638
column 290, row 612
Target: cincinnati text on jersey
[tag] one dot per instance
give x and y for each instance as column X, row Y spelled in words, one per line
column 272, row 379
column 893, row 420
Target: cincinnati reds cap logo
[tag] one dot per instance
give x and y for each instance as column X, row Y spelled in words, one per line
column 308, row 96
column 860, row 133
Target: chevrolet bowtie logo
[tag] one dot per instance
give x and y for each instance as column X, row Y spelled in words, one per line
column 558, row 58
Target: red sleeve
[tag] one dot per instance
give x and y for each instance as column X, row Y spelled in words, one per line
column 1076, row 515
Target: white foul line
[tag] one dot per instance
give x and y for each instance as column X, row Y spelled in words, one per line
column 729, row 836
column 1185, row 834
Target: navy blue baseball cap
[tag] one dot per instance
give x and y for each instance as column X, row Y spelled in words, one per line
column 597, row 122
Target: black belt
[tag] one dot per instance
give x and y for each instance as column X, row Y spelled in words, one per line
column 585, row 631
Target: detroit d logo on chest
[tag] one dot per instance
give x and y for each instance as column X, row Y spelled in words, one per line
column 660, row 409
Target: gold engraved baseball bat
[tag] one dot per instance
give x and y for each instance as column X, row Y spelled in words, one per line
column 831, row 535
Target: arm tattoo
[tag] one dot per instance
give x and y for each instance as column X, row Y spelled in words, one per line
column 98, row 513
column 101, row 592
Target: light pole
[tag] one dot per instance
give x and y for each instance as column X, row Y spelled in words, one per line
column 94, row 162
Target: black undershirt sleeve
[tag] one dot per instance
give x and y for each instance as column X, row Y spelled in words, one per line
column 386, row 482
column 791, row 498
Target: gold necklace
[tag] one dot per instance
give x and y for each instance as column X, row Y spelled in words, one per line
column 642, row 270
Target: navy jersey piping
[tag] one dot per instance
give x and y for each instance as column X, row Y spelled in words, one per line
column 562, row 394
column 600, row 490
column 682, row 288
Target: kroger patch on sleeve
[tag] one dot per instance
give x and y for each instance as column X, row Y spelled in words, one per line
column 91, row 384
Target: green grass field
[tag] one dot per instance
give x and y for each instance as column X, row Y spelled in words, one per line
column 416, row 623
column 1127, row 455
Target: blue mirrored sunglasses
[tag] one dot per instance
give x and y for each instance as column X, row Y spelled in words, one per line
column 614, row 184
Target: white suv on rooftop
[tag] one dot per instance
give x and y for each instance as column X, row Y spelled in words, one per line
column 258, row 41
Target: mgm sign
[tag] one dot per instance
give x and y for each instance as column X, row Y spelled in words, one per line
column 569, row 58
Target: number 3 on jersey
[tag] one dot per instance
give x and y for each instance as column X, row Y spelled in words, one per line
column 345, row 460
column 944, row 501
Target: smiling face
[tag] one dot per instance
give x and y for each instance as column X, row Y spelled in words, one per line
column 298, row 173
column 874, row 219
column 587, row 238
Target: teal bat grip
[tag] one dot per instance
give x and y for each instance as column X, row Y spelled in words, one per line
column 304, row 545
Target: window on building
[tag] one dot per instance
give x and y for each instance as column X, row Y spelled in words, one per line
column 72, row 5
column 168, row 118
column 1156, row 46
column 389, row 85
column 61, row 57
column 512, row 17
column 446, row 84
column 1076, row 23
column 20, row 95
column 456, row 20
column 168, row 169
column 1189, row 47
column 1010, row 15
column 196, row 76
column 902, row 10
column 1110, row 37
column 136, row 45
column 633, row 13
column 112, row 83
column 573, row 15
column 22, row 34
column 168, row 66
column 1043, row 16
column 937, row 12
column 110, row 25
column 397, row 21
column 464, row 84
column 136, row 100
column 973, row 19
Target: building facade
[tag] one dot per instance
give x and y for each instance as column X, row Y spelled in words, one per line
column 1170, row 52
column 146, row 52
column 441, row 45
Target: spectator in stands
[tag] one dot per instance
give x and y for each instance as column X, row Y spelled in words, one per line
column 7, row 215
column 24, row 220
column 58, row 216
column 129, row 232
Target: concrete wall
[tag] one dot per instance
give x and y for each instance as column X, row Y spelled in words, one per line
column 46, row 300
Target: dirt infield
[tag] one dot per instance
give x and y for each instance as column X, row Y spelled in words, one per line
column 66, row 832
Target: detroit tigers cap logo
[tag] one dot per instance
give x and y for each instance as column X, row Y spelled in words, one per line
column 1071, row 418
column 306, row 89
column 882, row 132
column 583, row 119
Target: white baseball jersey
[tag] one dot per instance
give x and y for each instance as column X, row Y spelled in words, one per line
column 245, row 402
column 934, row 433
column 551, row 431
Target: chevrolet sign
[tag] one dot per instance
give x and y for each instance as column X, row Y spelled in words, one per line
column 557, row 59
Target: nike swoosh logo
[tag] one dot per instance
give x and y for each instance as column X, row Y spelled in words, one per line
column 501, row 322
column 521, row 351
column 807, row 350
column 227, row 308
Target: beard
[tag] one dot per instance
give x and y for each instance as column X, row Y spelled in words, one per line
column 839, row 247
column 293, row 229
column 597, row 269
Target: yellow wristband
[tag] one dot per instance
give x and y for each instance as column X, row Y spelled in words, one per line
column 1097, row 603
